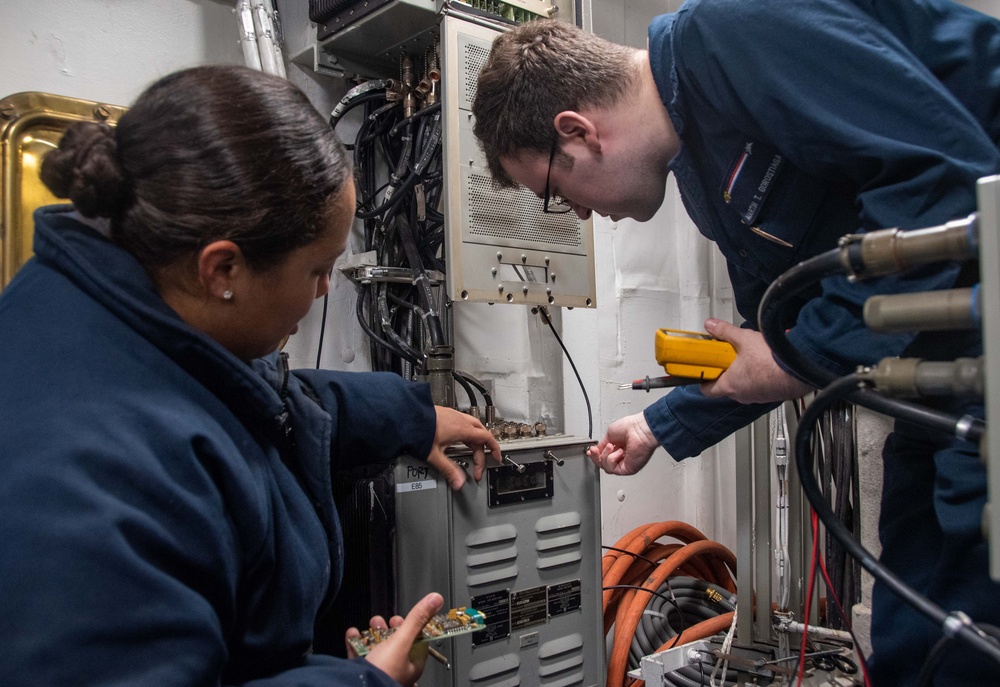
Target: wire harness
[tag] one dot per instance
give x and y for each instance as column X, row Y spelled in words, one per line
column 851, row 259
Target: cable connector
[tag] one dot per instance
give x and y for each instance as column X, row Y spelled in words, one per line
column 914, row 377
column 780, row 441
column 352, row 95
column 954, row 623
column 926, row 311
column 885, row 251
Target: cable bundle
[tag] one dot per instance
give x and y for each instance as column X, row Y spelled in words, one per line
column 679, row 604
column 837, row 470
column 641, row 577
column 859, row 388
column 397, row 167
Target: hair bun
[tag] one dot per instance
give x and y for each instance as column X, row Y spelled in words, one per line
column 85, row 169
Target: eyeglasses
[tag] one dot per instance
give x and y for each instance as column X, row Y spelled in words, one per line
column 553, row 205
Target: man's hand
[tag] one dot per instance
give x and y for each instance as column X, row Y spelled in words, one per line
column 399, row 656
column 626, row 448
column 753, row 377
column 454, row 427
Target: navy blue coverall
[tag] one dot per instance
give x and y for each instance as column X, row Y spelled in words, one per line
column 801, row 122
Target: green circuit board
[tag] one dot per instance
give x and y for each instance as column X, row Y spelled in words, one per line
column 457, row 621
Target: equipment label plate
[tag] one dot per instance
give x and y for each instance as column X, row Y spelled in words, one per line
column 528, row 607
column 422, row 485
column 565, row 597
column 496, row 607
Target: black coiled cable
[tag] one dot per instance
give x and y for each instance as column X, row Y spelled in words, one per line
column 848, row 387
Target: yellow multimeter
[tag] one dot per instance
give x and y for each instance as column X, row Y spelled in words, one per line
column 694, row 355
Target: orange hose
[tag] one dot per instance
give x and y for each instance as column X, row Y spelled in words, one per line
column 632, row 604
column 637, row 541
column 633, row 576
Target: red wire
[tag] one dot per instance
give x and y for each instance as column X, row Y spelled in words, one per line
column 809, row 594
column 836, row 601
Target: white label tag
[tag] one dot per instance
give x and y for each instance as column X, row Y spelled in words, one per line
column 422, row 485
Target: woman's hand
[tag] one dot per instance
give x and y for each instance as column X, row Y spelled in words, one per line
column 754, row 377
column 400, row 656
column 454, row 427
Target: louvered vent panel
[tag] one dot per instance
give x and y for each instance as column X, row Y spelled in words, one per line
column 491, row 555
column 560, row 662
column 501, row 671
column 559, row 540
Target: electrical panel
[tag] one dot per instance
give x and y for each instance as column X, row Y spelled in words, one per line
column 523, row 547
column 500, row 246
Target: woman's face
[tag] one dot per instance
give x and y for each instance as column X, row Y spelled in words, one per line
column 275, row 300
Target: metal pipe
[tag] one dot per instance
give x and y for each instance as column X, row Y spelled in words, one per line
column 248, row 36
column 268, row 45
column 815, row 631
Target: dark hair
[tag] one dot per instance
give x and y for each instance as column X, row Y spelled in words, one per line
column 533, row 73
column 209, row 153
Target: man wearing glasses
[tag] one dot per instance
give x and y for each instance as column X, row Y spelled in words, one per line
column 787, row 126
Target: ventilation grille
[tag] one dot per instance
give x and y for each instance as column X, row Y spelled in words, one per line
column 560, row 662
column 501, row 671
column 491, row 555
column 559, row 540
column 474, row 58
column 324, row 10
column 515, row 214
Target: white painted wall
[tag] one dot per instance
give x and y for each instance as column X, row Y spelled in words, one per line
column 661, row 273
column 109, row 50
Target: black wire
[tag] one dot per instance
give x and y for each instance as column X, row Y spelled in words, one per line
column 697, row 601
column 837, row 601
column 803, row 459
column 586, row 398
column 430, row 109
column 322, row 329
column 930, row 665
column 651, row 591
column 468, row 388
column 421, row 281
column 937, row 653
column 479, row 385
column 410, row 354
column 359, row 100
column 773, row 309
column 375, row 338
column 636, row 555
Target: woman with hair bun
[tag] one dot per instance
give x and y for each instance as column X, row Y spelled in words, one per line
column 166, row 515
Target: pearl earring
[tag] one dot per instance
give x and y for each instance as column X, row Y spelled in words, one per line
column 227, row 295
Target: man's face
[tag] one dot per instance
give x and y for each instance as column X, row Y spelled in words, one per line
column 605, row 184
